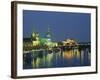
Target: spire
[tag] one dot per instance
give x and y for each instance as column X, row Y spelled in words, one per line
column 34, row 33
column 48, row 34
column 48, row 29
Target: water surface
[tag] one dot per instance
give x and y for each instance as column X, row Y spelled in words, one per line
column 67, row 58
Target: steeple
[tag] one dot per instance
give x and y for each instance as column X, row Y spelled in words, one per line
column 48, row 34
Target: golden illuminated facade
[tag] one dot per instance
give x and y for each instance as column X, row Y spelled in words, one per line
column 70, row 42
column 35, row 39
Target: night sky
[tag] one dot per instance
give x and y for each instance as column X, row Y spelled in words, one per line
column 63, row 25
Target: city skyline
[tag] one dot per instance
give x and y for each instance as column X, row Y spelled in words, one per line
column 62, row 25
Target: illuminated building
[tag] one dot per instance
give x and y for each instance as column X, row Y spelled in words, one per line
column 37, row 42
column 70, row 42
column 48, row 41
column 35, row 39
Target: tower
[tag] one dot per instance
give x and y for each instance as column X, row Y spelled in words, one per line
column 48, row 34
column 48, row 38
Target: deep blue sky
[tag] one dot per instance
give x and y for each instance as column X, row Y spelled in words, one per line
column 63, row 25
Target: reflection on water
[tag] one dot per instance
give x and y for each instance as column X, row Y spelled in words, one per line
column 68, row 58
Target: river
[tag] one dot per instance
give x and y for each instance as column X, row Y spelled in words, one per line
column 67, row 58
